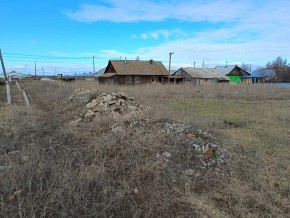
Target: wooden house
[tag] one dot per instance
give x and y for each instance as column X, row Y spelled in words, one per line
column 233, row 72
column 134, row 72
column 200, row 76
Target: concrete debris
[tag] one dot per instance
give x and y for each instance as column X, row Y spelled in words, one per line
column 88, row 116
column 166, row 154
column 204, row 151
column 118, row 105
column 82, row 95
column 75, row 122
column 207, row 153
column 207, row 150
column 176, row 127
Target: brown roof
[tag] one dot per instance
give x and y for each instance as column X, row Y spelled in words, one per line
column 134, row 67
column 108, row 75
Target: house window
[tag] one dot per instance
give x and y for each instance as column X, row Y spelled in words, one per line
column 137, row 79
column 153, row 79
column 128, row 79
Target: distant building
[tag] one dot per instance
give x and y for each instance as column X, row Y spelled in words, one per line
column 233, row 72
column 259, row 76
column 134, row 72
column 199, row 76
column 13, row 75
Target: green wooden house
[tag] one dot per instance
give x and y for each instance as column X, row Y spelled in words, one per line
column 233, row 72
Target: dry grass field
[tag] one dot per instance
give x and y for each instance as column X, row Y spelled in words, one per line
column 49, row 168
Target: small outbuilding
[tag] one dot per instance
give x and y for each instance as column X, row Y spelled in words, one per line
column 200, row 76
column 134, row 72
column 259, row 76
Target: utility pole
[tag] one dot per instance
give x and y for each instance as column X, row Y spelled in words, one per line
column 35, row 68
column 94, row 65
column 42, row 71
column 194, row 64
column 171, row 53
column 203, row 64
column 9, row 100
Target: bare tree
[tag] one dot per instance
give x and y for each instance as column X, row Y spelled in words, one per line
column 246, row 67
column 281, row 68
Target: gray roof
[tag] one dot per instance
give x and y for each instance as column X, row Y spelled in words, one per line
column 205, row 73
column 227, row 70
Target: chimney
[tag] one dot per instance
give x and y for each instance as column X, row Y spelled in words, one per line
column 125, row 60
column 151, row 62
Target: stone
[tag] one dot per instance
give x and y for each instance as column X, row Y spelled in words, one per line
column 112, row 102
column 135, row 190
column 189, row 172
column 75, row 122
column 132, row 108
column 89, row 116
column 197, row 147
column 166, row 154
column 205, row 148
column 107, row 98
column 92, row 104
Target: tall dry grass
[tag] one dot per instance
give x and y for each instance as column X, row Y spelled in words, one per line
column 89, row 171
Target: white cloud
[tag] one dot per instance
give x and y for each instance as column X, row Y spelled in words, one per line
column 144, row 36
column 132, row 11
column 157, row 34
column 154, row 35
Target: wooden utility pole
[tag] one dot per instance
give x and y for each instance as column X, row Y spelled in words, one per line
column 9, row 100
column 94, row 69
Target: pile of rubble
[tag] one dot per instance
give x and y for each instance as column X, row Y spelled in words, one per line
column 207, row 149
column 82, row 95
column 207, row 152
column 119, row 105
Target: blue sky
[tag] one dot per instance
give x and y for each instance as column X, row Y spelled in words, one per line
column 63, row 35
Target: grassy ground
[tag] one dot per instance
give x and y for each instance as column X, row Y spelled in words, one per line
column 89, row 171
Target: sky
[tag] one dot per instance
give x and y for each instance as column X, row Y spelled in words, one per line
column 62, row 36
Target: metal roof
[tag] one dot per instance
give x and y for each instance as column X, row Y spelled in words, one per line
column 261, row 73
column 205, row 73
column 226, row 70
column 136, row 67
